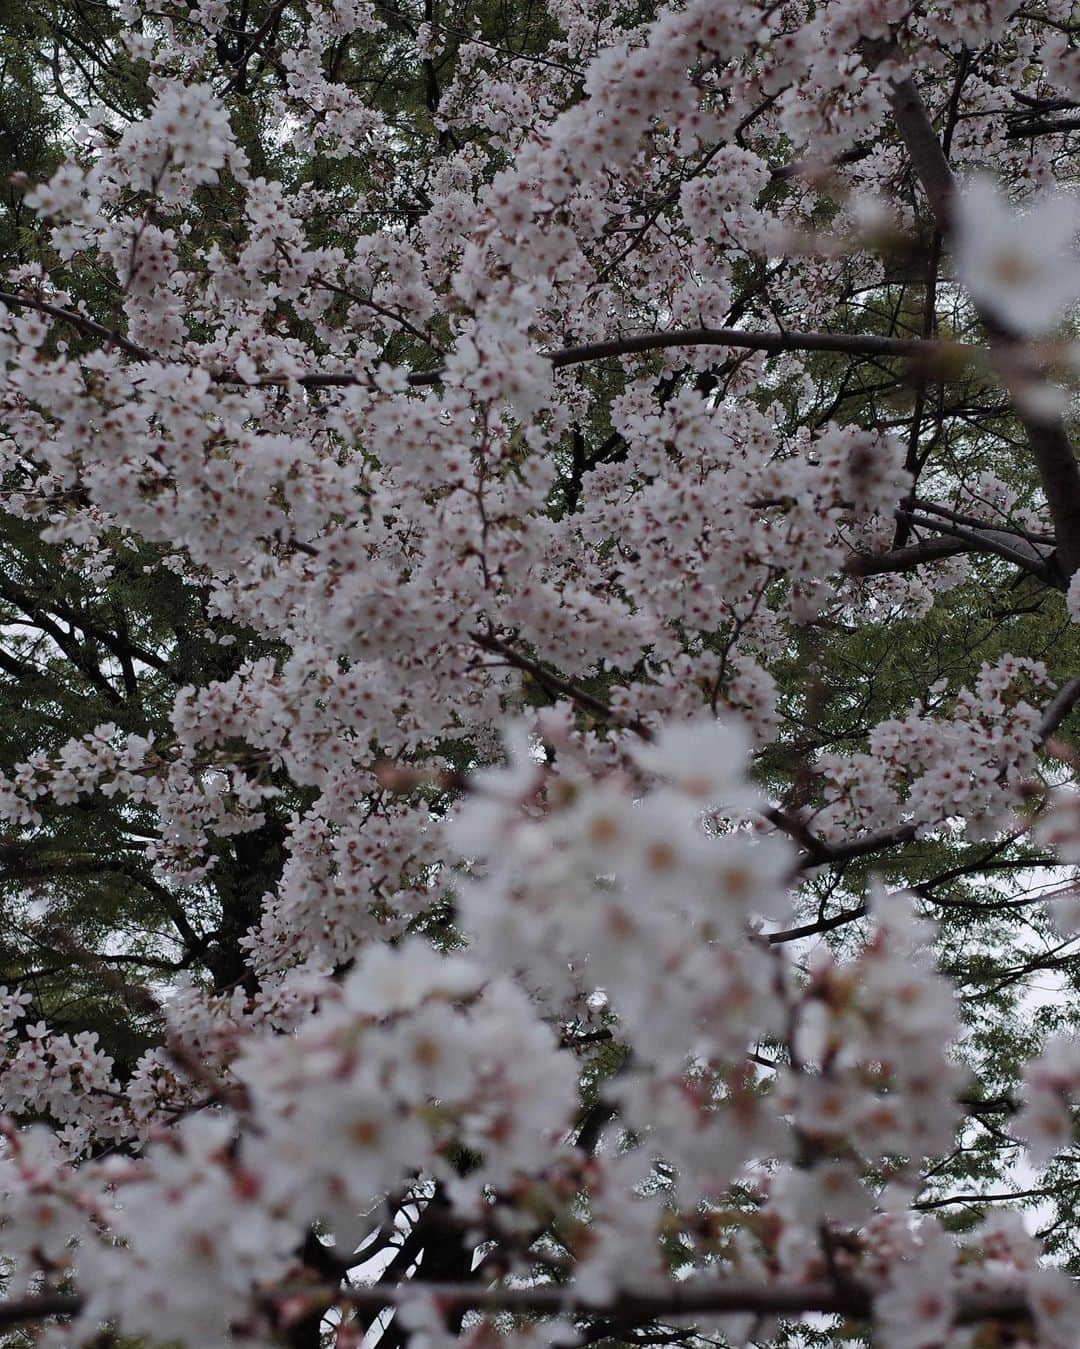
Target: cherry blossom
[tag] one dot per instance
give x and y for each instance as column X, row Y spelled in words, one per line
column 1023, row 266
column 533, row 454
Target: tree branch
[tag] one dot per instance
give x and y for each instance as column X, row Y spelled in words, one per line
column 1046, row 435
column 775, row 344
column 849, row 344
column 664, row 1300
column 20, row 1310
column 999, row 542
column 1059, row 707
column 840, row 919
column 817, row 852
column 555, row 683
column 678, row 1299
column 1042, row 126
column 907, row 558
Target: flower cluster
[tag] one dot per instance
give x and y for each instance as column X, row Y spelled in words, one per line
column 540, row 428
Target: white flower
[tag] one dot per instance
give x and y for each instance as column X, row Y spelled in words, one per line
column 1072, row 599
column 387, row 980
column 702, row 758
column 1022, row 267
column 916, row 1311
column 1055, row 1303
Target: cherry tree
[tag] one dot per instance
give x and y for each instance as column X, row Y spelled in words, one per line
column 614, row 462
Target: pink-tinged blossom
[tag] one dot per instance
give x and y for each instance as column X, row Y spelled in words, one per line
column 1055, row 1304
column 1022, row 266
column 565, row 957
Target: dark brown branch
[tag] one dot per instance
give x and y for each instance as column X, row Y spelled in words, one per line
column 772, row 343
column 1001, row 1198
column 860, row 847
column 852, row 344
column 238, row 78
column 840, row 919
column 973, row 522
column 995, row 1105
column 907, row 558
column 674, row 1299
column 1046, row 435
column 923, row 147
column 1059, row 707
column 1056, row 462
column 66, row 642
column 798, row 167
column 1042, row 126
column 661, row 1302
column 555, row 683
column 86, row 325
column 817, row 852
column 775, row 344
column 1002, row 544
column 20, row 1310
